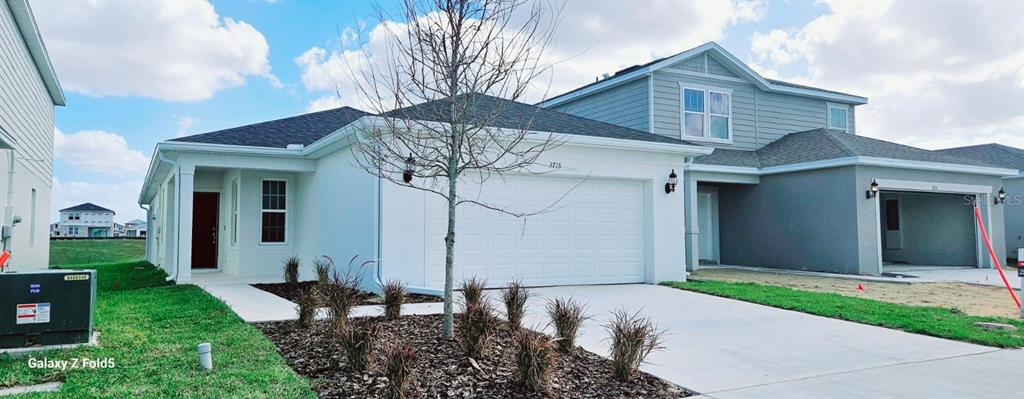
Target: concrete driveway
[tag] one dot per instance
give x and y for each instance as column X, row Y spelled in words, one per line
column 724, row 348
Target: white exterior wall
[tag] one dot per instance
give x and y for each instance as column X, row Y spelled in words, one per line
column 27, row 116
column 404, row 243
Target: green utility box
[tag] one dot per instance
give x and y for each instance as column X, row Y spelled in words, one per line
column 46, row 307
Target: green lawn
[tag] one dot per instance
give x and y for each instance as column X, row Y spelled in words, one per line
column 938, row 322
column 150, row 330
column 83, row 252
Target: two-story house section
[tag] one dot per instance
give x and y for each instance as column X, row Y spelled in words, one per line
column 791, row 183
column 85, row 220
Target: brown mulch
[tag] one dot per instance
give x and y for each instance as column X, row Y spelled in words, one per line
column 443, row 371
column 292, row 291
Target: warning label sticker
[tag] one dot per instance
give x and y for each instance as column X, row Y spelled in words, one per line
column 32, row 313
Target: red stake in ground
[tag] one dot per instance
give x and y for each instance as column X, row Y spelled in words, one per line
column 992, row 253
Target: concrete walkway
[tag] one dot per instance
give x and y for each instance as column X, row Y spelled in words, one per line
column 724, row 348
column 255, row 305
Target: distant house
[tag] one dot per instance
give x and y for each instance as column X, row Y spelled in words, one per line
column 118, row 230
column 135, row 228
column 85, row 220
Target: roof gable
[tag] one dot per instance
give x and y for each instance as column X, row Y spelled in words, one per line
column 692, row 59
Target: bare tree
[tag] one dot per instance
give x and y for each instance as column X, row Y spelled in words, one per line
column 439, row 90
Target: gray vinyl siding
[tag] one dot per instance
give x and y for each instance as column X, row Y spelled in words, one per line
column 26, row 109
column 668, row 107
column 716, row 68
column 759, row 117
column 625, row 105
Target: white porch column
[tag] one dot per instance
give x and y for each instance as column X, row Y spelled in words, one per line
column 690, row 221
column 186, row 176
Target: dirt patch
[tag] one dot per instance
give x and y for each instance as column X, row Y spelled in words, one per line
column 969, row 298
column 442, row 371
column 292, row 291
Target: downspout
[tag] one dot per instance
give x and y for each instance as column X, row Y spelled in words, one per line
column 177, row 212
column 9, row 202
column 147, row 237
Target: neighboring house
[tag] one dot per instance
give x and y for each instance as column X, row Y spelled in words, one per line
column 86, row 220
column 1010, row 158
column 135, row 228
column 788, row 183
column 118, row 230
column 29, row 90
column 241, row 200
column 54, row 229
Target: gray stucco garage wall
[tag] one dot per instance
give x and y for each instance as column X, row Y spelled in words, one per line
column 1014, row 215
column 868, row 235
column 934, row 229
column 802, row 220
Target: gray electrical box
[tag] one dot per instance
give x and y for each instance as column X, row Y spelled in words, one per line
column 46, row 307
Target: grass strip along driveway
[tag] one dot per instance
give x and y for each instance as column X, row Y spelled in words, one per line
column 938, row 322
column 150, row 330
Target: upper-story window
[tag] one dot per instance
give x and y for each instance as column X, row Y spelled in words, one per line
column 707, row 114
column 74, row 216
column 839, row 117
column 274, row 211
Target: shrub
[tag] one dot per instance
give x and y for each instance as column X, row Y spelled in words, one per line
column 535, row 357
column 339, row 296
column 307, row 303
column 394, row 297
column 473, row 291
column 633, row 338
column 477, row 323
column 357, row 342
column 567, row 316
column 514, row 296
column 400, row 358
column 291, row 270
column 323, row 266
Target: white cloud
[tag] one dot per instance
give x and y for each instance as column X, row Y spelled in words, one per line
column 591, row 39
column 120, row 197
column 184, row 123
column 934, row 76
column 98, row 151
column 175, row 51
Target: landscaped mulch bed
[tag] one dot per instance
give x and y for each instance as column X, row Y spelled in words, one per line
column 292, row 291
column 443, row 371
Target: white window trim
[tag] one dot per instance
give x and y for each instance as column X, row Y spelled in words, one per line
column 235, row 206
column 707, row 113
column 828, row 115
column 287, row 219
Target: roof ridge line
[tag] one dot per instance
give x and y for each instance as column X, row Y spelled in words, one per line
column 842, row 146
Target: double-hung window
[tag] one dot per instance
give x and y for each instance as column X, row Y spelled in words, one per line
column 707, row 114
column 839, row 117
column 72, row 230
column 273, row 211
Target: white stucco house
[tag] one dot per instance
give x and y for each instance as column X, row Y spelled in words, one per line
column 29, row 91
column 84, row 221
column 236, row 202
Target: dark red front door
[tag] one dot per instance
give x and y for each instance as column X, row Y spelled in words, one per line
column 204, row 230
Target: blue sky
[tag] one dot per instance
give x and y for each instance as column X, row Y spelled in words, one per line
column 136, row 73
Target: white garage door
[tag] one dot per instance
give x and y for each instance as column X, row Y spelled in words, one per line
column 592, row 236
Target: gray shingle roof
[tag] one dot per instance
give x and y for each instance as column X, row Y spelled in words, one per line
column 509, row 114
column 825, row 144
column 1002, row 155
column 87, row 207
column 302, row 129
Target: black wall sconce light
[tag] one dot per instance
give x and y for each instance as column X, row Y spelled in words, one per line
column 873, row 190
column 410, row 167
column 1000, row 196
column 673, row 179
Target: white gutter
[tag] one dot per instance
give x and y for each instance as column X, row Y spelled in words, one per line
column 853, row 161
column 177, row 212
